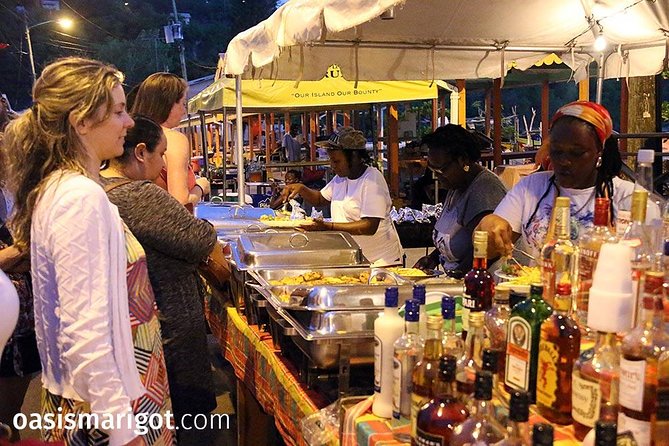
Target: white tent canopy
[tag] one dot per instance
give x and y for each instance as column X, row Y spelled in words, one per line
column 449, row 39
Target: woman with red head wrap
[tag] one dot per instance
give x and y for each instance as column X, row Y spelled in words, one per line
column 585, row 162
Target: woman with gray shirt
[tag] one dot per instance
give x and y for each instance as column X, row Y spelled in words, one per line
column 472, row 193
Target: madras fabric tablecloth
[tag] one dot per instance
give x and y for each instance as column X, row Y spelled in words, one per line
column 269, row 377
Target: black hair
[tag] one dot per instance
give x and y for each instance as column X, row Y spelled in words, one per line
column 454, row 140
column 609, row 167
column 363, row 154
column 146, row 131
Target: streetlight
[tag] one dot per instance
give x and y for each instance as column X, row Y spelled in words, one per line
column 65, row 23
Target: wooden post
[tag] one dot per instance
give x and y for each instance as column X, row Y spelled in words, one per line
column 462, row 103
column 379, row 133
column 442, row 102
column 435, row 116
column 393, row 151
column 545, row 111
column 347, row 119
column 286, row 125
column 624, row 115
column 272, row 135
column 584, row 89
column 497, row 121
column 641, row 99
column 487, row 112
column 313, row 124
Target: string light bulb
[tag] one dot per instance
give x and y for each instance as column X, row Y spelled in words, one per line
column 600, row 41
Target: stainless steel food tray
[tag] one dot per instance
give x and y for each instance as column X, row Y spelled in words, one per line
column 322, row 298
column 217, row 212
column 333, row 326
column 265, row 276
column 317, row 249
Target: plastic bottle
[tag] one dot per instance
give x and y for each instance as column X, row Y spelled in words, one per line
column 388, row 327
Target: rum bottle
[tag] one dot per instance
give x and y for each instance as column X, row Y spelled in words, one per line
column 497, row 323
column 542, row 434
column 638, row 236
column 518, row 427
column 589, row 246
column 479, row 284
column 437, row 418
column 426, row 370
column 451, row 341
column 559, row 256
column 641, row 351
column 408, row 350
column 471, row 361
column 559, row 347
column 481, row 428
column 522, row 343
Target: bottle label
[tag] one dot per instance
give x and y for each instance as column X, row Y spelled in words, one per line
column 397, row 388
column 638, row 428
column 548, row 275
column 416, row 403
column 378, row 358
column 518, row 352
column 586, row 397
column 586, row 267
column 632, row 374
column 427, row 439
column 623, row 219
column 547, row 378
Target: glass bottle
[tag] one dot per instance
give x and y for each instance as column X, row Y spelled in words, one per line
column 641, row 349
column 559, row 256
column 497, row 323
column 595, row 385
column 644, row 181
column 518, row 427
column 388, row 327
column 425, row 372
column 408, row 350
column 660, row 429
column 606, row 433
column 437, row 418
column 639, row 238
column 522, row 343
column 471, row 360
column 451, row 341
column 479, row 284
column 589, row 246
column 542, row 434
column 559, row 347
column 419, row 296
column 481, row 428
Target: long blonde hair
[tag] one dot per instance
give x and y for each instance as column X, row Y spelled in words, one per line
column 42, row 140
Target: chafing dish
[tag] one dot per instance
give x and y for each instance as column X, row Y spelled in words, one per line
column 281, row 250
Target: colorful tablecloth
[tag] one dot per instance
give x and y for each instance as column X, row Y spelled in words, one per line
column 269, row 377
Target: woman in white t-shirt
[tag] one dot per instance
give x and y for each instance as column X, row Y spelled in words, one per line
column 585, row 162
column 358, row 197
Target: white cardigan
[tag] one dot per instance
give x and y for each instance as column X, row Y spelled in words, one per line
column 81, row 299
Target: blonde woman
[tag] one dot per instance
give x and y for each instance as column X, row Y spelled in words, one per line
column 97, row 330
column 162, row 98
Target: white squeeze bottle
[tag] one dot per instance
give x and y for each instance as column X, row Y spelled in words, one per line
column 388, row 327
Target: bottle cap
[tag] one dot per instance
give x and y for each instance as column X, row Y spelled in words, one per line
column 434, row 322
column 490, row 360
column 448, row 307
column 447, row 366
column 542, row 434
column 645, row 156
column 419, row 293
column 662, row 404
column 612, row 290
column 514, row 298
column 411, row 311
column 562, row 202
column 392, row 296
column 483, row 385
column 476, row 318
column 502, row 291
column 601, row 212
column 481, row 237
column 536, row 290
column 606, row 433
column 563, row 296
column 519, row 406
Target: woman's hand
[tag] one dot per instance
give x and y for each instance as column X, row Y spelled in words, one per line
column 500, row 235
column 317, row 224
column 428, row 262
column 290, row 191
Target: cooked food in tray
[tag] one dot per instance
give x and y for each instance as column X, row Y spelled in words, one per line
column 521, row 275
column 407, row 272
column 317, row 278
